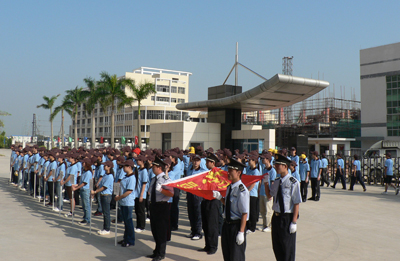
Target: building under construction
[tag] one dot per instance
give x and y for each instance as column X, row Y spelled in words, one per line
column 315, row 117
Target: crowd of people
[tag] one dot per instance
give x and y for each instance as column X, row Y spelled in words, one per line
column 80, row 175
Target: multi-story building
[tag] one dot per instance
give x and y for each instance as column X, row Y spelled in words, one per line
column 380, row 94
column 172, row 88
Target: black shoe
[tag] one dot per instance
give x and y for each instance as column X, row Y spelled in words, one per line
column 124, row 244
column 344, row 188
column 203, row 249
column 212, row 252
column 365, row 189
column 332, row 186
column 120, row 242
column 151, row 256
column 174, row 229
column 157, row 258
column 351, row 189
column 311, row 199
column 328, row 185
column 317, row 199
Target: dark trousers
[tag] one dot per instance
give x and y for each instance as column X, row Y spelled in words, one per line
column 354, row 179
column 315, row 191
column 14, row 178
column 159, row 220
column 147, row 204
column 221, row 218
column 324, row 177
column 129, row 233
column 210, row 220
column 50, row 185
column 77, row 193
column 194, row 211
column 230, row 250
column 31, row 181
column 254, row 213
column 140, row 213
column 304, row 190
column 105, row 202
column 12, row 175
column 340, row 176
column 175, row 209
column 283, row 243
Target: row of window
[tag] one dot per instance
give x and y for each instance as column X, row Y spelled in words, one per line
column 117, row 129
column 165, row 88
column 159, row 115
column 166, row 99
column 393, row 105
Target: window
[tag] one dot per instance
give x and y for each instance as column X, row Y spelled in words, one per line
column 173, row 89
column 78, row 121
column 173, row 100
column 152, row 98
column 101, row 119
column 162, row 88
column 83, row 121
column 100, row 129
column 143, row 130
column 128, row 117
column 162, row 99
column 392, row 105
column 181, row 90
column 83, row 131
column 88, row 130
column 166, row 141
column 181, row 100
column 89, row 121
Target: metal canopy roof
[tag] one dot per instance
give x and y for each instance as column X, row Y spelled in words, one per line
column 277, row 92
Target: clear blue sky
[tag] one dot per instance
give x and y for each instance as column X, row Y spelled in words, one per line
column 48, row 47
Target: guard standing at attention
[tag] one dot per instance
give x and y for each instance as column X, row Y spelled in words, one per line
column 237, row 207
column 159, row 209
column 287, row 197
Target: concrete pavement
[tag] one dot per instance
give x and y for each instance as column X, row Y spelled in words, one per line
column 343, row 225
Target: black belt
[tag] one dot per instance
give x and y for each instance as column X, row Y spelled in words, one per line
column 236, row 221
column 159, row 202
column 282, row 214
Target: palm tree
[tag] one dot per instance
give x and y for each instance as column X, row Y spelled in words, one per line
column 48, row 105
column 141, row 92
column 75, row 98
column 67, row 106
column 93, row 98
column 112, row 91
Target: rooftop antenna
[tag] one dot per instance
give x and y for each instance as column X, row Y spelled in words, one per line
column 235, row 66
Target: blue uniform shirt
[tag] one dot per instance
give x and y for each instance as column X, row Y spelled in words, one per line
column 272, row 175
column 107, row 182
column 192, row 171
column 175, row 173
column 186, row 161
column 52, row 166
column 357, row 163
column 297, row 160
column 143, row 178
column 71, row 170
column 120, row 174
column 240, row 200
column 340, row 162
column 324, row 163
column 290, row 193
column 254, row 172
column 296, row 175
column 304, row 168
column 128, row 183
column 99, row 172
column 389, row 166
column 60, row 171
column 85, row 178
column 315, row 166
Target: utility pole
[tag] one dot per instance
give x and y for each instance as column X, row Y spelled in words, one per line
column 33, row 127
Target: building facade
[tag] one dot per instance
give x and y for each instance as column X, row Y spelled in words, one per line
column 380, row 94
column 172, row 87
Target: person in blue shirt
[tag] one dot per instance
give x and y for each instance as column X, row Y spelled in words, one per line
column 127, row 202
column 339, row 171
column 42, row 175
column 293, row 166
column 324, row 173
column 388, row 174
column 315, row 176
column 105, row 189
column 304, row 176
column 98, row 176
column 265, row 203
column 356, row 173
column 174, row 173
column 49, row 178
column 194, row 202
column 14, row 164
column 295, row 158
column 252, row 170
column 149, row 166
column 68, row 181
column 60, row 172
column 141, row 176
column 84, row 186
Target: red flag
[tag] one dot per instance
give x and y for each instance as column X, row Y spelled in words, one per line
column 203, row 184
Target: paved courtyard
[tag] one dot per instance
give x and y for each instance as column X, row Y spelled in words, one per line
column 343, row 225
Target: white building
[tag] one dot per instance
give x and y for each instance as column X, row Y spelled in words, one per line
column 380, row 94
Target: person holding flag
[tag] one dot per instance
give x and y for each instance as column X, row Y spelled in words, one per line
column 237, row 207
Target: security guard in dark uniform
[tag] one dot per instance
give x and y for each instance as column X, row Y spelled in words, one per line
column 287, row 197
column 210, row 215
column 237, row 201
column 159, row 209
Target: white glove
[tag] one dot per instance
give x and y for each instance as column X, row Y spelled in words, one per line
column 266, row 178
column 159, row 187
column 292, row 228
column 217, row 195
column 240, row 238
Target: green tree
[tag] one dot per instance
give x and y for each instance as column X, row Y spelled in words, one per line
column 112, row 93
column 140, row 93
column 75, row 98
column 48, row 105
column 66, row 106
column 93, row 98
column 3, row 113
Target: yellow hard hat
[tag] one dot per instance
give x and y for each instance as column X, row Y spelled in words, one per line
column 303, row 156
column 191, row 150
column 275, row 151
column 271, row 150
